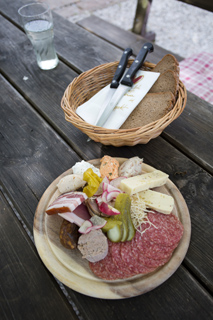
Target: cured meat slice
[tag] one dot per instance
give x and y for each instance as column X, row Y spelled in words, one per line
column 166, row 230
column 151, row 263
column 145, row 252
column 122, row 265
column 114, row 272
column 140, row 264
column 152, row 250
column 99, row 268
column 116, row 253
column 106, row 269
column 129, row 257
column 119, row 267
column 67, row 202
column 72, row 217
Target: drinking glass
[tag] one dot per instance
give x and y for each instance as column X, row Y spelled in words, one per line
column 36, row 19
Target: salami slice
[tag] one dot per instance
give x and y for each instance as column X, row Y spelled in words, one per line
column 166, row 230
column 116, row 253
column 152, row 250
column 117, row 258
column 114, row 271
column 106, row 268
column 151, row 263
column 128, row 258
column 141, row 267
column 99, row 268
column 145, row 252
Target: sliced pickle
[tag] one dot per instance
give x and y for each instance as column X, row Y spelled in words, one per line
column 111, row 223
column 115, row 234
column 123, row 204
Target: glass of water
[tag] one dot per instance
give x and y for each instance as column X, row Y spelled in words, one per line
column 36, row 19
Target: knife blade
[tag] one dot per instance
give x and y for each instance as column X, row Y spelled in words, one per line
column 125, row 84
column 117, row 77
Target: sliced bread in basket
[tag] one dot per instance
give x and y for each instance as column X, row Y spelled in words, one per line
column 167, row 81
column 168, row 62
column 152, row 107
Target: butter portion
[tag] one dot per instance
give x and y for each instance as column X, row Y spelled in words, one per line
column 157, row 201
column 143, row 182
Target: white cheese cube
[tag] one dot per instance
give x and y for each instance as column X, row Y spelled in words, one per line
column 160, row 202
column 143, row 182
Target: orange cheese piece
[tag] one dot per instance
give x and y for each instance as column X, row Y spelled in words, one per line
column 109, row 167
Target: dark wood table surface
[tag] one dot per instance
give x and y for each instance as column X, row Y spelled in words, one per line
column 37, row 145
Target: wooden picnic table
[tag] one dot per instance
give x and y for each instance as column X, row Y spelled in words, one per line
column 37, row 145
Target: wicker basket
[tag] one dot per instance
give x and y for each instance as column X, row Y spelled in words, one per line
column 89, row 83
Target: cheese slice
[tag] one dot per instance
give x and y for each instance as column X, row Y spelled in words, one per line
column 143, row 182
column 160, row 202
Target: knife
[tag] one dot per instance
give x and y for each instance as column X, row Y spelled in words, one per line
column 117, row 77
column 125, row 85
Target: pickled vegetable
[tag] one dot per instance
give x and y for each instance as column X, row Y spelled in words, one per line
column 93, row 182
column 111, row 223
column 123, row 204
column 115, row 234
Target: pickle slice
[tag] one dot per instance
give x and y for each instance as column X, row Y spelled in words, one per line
column 111, row 223
column 115, row 234
column 123, row 204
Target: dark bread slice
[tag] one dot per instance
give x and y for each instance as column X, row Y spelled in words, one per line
column 167, row 81
column 168, row 62
column 151, row 108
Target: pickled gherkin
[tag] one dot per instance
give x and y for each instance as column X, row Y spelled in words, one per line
column 111, row 223
column 125, row 231
column 123, row 204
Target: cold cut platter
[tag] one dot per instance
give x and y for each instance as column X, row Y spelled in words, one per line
column 81, row 275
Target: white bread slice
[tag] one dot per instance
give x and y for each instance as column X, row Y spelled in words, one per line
column 168, row 62
column 151, row 108
column 167, row 81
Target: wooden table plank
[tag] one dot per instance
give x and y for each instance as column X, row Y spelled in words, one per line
column 188, row 132
column 158, row 152
column 70, row 40
column 25, row 178
column 179, row 133
column 31, row 143
column 27, row 290
column 121, row 38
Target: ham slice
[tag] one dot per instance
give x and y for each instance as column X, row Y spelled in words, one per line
column 78, row 216
column 72, row 217
column 67, row 202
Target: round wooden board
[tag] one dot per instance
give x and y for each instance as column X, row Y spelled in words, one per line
column 73, row 271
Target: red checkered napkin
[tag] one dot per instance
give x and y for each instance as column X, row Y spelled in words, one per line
column 197, row 75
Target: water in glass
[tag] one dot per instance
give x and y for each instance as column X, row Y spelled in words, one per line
column 40, row 33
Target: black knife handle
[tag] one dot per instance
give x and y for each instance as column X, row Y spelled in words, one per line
column 137, row 63
column 121, row 68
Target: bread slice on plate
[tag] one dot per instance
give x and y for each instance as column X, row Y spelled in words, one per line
column 167, row 81
column 168, row 62
column 151, row 108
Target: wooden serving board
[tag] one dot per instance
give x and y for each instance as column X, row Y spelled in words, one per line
column 73, row 271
